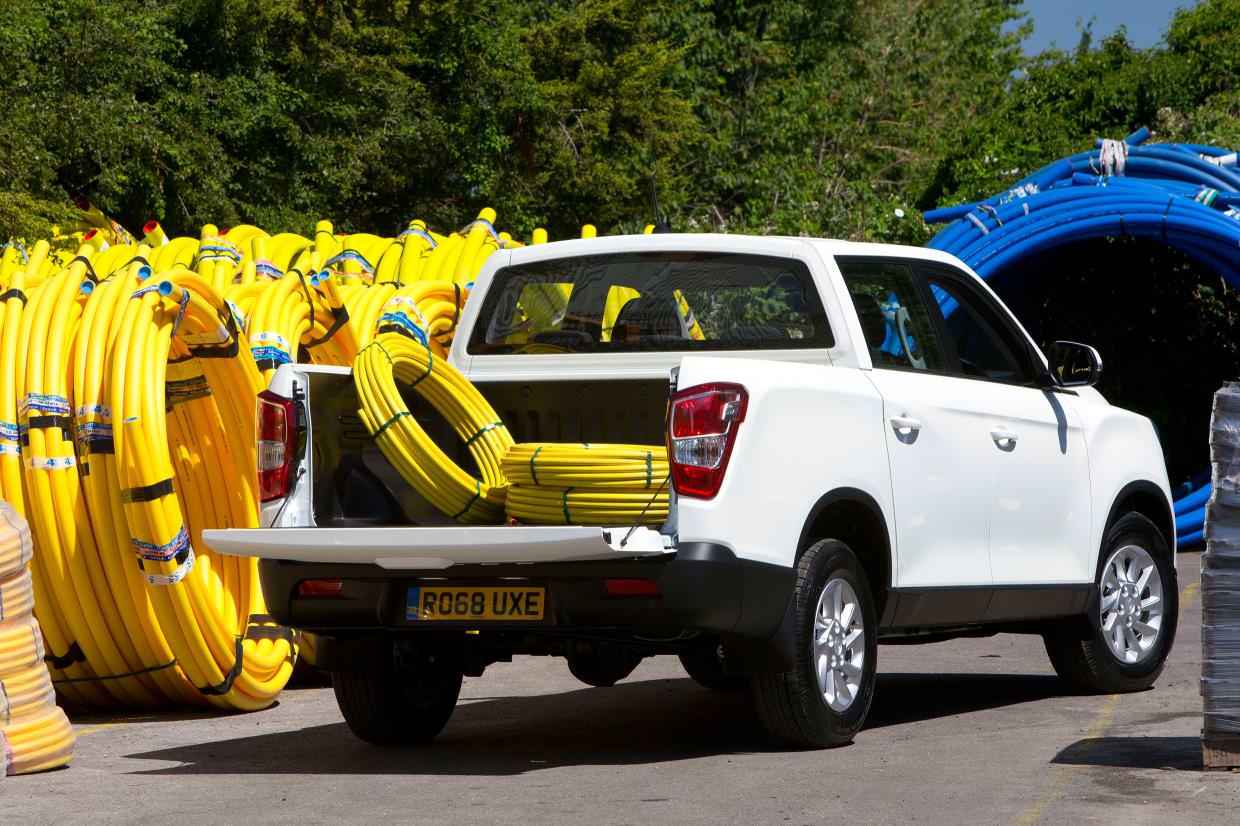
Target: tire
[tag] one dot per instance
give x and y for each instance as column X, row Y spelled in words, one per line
column 387, row 706
column 705, row 667
column 1109, row 659
column 798, row 707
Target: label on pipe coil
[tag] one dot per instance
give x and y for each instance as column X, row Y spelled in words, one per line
column 401, row 323
column 267, row 269
column 50, row 462
column 175, row 548
column 350, row 255
column 43, row 403
column 176, row 576
column 421, row 233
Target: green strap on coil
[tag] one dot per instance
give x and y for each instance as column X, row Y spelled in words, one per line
column 379, row 344
column 649, row 468
column 470, row 503
column 485, row 429
column 430, row 363
column 568, row 520
column 534, row 473
column 390, row 422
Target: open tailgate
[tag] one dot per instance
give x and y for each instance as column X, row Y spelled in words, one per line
column 436, row 548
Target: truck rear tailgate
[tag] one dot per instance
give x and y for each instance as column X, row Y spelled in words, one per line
column 437, row 548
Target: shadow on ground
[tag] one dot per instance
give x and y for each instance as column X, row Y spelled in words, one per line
column 639, row 722
column 1181, row 753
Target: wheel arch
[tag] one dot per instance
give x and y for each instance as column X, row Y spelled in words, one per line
column 855, row 518
column 1147, row 499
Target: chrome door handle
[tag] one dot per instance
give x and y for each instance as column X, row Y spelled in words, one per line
column 1004, row 438
column 905, row 425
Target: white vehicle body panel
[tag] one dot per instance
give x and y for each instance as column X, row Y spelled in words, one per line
column 809, row 430
column 1041, row 505
column 940, row 477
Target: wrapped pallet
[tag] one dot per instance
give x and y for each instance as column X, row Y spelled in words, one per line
column 35, row 735
column 1220, row 589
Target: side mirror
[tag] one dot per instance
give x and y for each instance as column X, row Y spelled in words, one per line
column 1074, row 364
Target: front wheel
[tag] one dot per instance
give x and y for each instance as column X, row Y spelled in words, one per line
column 1137, row 610
column 822, row 701
column 388, row 705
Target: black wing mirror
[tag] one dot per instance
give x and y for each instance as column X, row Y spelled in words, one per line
column 1074, row 364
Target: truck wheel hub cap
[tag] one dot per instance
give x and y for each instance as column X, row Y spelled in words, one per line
column 1131, row 604
column 839, row 645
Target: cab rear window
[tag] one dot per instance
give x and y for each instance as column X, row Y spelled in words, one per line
column 651, row 301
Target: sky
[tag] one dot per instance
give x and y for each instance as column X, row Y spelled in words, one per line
column 1054, row 21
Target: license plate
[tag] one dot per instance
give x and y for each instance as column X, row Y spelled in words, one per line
column 474, row 604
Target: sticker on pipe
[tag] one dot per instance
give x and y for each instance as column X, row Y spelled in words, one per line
column 467, row 604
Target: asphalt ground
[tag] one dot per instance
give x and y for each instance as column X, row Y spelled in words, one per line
column 966, row 731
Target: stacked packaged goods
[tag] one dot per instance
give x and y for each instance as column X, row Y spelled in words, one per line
column 1220, row 589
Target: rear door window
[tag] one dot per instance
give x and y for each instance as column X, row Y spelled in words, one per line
column 691, row 301
column 898, row 328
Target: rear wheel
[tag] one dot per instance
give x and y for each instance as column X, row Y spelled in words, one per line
column 1137, row 610
column 388, row 705
column 822, row 701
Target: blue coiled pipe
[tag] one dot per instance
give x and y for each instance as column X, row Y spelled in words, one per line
column 1184, row 195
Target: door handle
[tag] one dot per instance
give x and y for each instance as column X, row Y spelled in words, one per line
column 1004, row 438
column 905, row 425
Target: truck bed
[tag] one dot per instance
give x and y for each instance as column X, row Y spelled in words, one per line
column 355, row 486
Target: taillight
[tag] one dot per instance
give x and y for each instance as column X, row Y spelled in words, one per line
column 632, row 588
column 701, row 428
column 320, row 587
column 277, row 445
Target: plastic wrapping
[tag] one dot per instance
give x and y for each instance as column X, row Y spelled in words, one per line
column 1220, row 572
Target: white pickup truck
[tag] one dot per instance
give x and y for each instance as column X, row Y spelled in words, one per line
column 865, row 447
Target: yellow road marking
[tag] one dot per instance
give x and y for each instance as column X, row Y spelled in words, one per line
column 1061, row 774
column 82, row 732
column 1188, row 592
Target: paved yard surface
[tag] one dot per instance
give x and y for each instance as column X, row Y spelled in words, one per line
column 968, row 731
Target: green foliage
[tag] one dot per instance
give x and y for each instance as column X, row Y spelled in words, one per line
column 774, row 116
column 779, row 116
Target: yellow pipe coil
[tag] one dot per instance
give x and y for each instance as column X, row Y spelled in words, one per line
column 35, row 735
column 393, row 358
column 126, row 428
column 596, row 484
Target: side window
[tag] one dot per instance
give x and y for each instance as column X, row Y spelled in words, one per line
column 981, row 347
column 898, row 329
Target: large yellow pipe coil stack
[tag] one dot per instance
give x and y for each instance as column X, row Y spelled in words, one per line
column 128, row 373
column 35, row 735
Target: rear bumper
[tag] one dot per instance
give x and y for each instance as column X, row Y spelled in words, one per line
column 703, row 587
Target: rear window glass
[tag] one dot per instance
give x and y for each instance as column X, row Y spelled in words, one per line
column 651, row 301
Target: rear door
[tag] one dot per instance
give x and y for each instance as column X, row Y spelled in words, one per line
column 938, row 451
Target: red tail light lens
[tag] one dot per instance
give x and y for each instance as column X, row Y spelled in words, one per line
column 277, row 445
column 320, row 587
column 701, row 427
column 632, row 588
